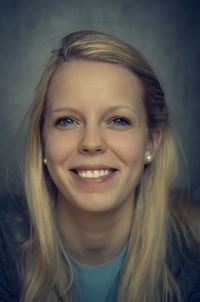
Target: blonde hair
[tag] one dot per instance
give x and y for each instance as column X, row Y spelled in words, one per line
column 46, row 277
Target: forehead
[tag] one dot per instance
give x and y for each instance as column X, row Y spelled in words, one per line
column 104, row 82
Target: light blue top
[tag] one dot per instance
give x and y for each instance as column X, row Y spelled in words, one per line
column 97, row 283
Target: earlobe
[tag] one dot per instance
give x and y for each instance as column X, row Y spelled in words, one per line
column 148, row 158
column 153, row 145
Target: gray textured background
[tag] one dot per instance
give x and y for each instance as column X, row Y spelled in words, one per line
column 167, row 32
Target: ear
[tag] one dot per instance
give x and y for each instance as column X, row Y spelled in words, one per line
column 153, row 143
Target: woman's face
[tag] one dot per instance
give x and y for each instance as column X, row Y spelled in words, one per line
column 95, row 134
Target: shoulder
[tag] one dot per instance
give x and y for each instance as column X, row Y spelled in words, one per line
column 185, row 221
column 13, row 218
column 184, row 246
column 13, row 232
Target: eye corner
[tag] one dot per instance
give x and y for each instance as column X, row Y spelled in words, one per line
column 121, row 121
column 65, row 121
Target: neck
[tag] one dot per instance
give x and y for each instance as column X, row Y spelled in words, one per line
column 93, row 238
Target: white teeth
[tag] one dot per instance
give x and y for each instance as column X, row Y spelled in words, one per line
column 93, row 173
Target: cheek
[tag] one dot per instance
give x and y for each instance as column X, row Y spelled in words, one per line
column 129, row 147
column 58, row 147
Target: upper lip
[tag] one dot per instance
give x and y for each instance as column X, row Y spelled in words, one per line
column 92, row 167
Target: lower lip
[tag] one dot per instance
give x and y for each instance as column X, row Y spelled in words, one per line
column 94, row 181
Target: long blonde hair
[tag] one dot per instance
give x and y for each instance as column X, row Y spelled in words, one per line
column 46, row 276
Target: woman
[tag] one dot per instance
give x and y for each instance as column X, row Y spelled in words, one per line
column 101, row 222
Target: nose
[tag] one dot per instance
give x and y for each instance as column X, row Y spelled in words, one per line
column 92, row 141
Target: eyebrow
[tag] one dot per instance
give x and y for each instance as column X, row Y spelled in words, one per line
column 110, row 109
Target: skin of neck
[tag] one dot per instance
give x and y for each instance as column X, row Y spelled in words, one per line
column 93, row 238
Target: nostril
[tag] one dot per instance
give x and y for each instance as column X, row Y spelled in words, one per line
column 91, row 150
column 92, row 147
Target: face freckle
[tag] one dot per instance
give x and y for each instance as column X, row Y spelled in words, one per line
column 95, row 134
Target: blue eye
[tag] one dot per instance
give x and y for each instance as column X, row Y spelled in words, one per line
column 121, row 121
column 65, row 121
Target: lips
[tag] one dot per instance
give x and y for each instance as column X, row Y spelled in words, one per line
column 93, row 172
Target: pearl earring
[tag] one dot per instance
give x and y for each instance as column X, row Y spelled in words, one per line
column 148, row 158
column 45, row 161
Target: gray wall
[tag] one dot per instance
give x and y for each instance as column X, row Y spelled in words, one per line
column 167, row 32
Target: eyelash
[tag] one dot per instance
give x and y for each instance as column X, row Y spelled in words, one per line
column 119, row 121
column 60, row 121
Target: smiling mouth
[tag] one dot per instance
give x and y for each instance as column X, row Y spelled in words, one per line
column 93, row 174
